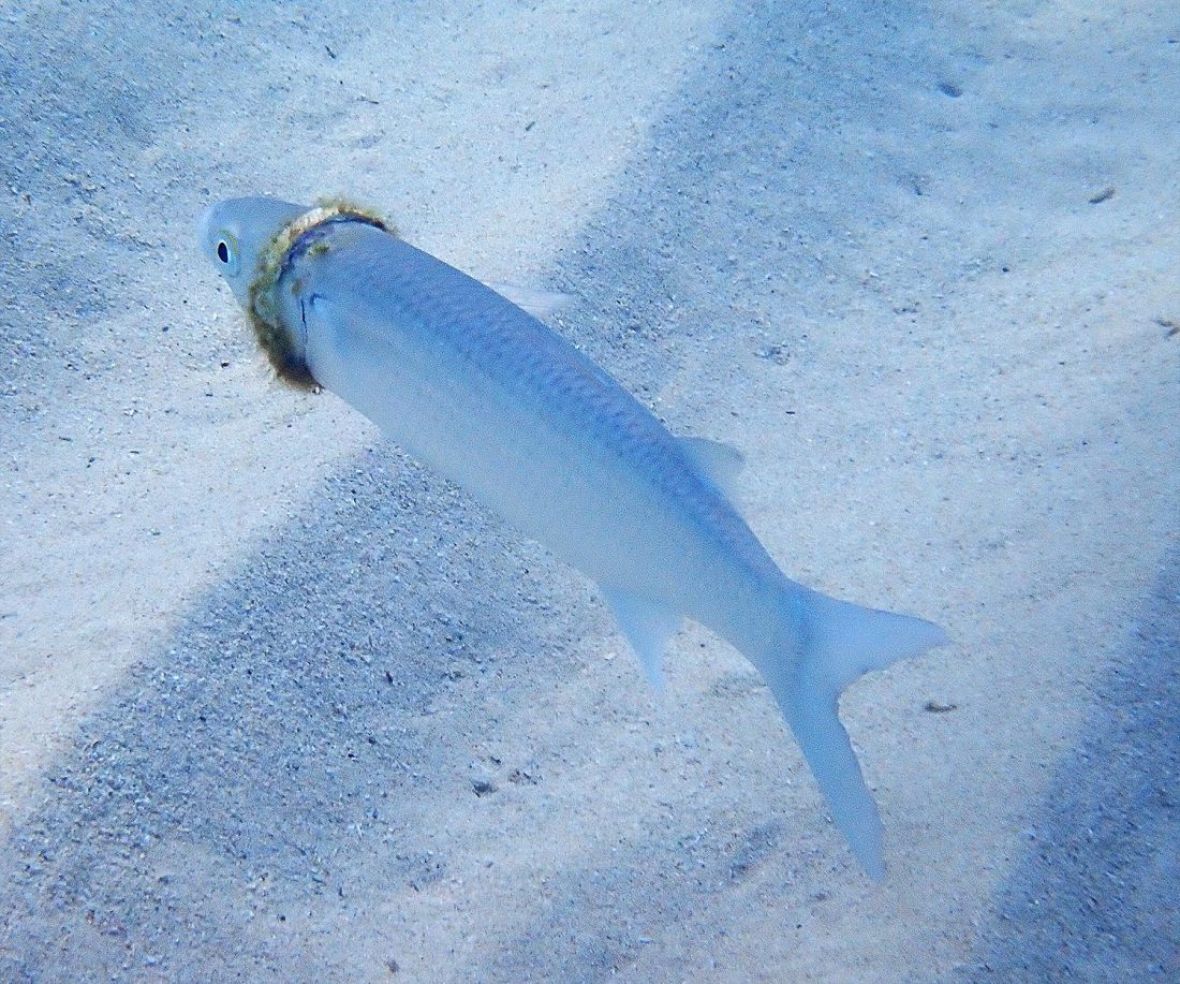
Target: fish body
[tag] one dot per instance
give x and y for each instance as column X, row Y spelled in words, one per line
column 489, row 396
column 493, row 399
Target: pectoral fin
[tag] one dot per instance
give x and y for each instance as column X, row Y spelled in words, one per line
column 648, row 626
column 541, row 304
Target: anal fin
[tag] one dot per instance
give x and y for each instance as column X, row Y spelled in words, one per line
column 648, row 625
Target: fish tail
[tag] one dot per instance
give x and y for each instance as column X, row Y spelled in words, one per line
column 831, row 644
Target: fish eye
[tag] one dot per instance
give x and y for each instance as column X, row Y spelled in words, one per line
column 226, row 248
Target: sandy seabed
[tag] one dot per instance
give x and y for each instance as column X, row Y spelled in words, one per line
column 277, row 704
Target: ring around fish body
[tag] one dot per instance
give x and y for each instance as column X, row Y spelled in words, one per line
column 475, row 386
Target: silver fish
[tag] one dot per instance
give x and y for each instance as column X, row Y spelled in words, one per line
column 473, row 385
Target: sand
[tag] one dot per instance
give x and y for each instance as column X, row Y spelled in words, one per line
column 277, row 704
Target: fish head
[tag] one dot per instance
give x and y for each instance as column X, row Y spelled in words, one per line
column 246, row 240
column 234, row 235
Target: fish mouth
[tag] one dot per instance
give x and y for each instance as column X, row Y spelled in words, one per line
column 204, row 226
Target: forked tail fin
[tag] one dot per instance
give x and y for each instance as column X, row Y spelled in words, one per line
column 837, row 642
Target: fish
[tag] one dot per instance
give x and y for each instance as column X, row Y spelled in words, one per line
column 472, row 384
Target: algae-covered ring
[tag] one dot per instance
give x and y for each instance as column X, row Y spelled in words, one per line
column 284, row 351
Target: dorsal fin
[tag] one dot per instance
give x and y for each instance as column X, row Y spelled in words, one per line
column 718, row 462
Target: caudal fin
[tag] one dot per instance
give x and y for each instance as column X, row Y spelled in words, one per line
column 836, row 644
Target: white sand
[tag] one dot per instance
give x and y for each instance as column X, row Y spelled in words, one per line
column 860, row 247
